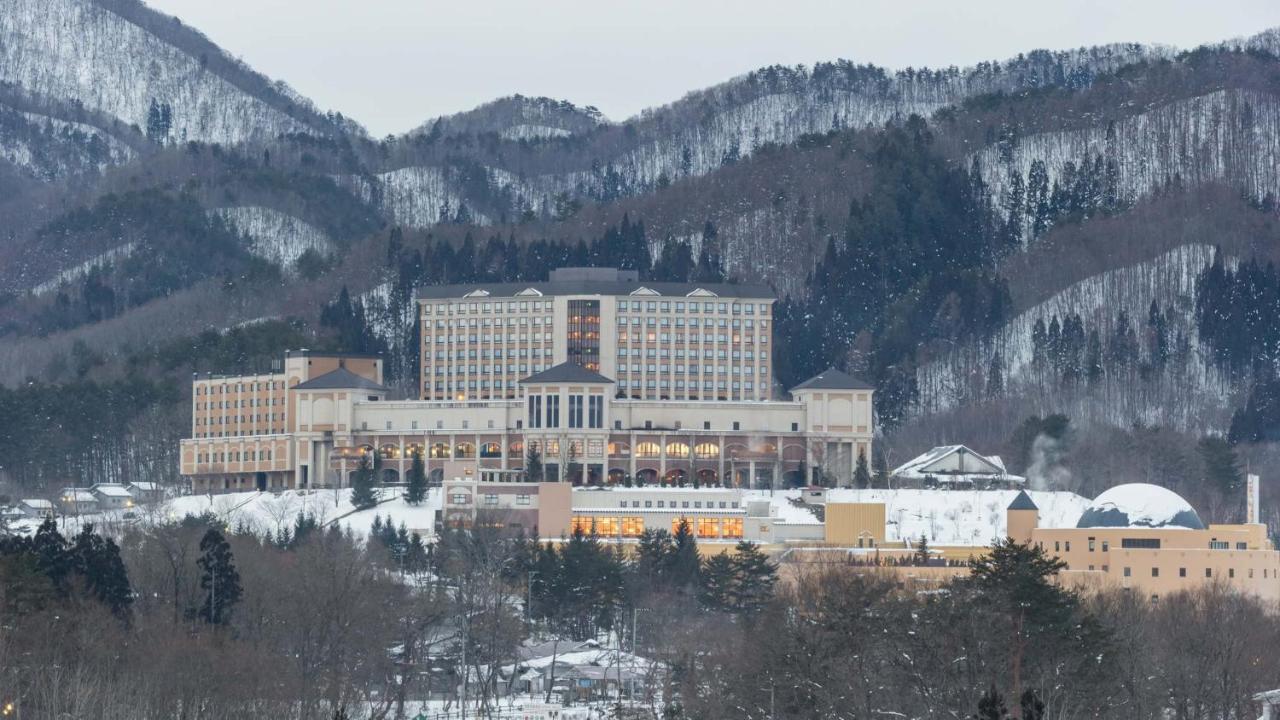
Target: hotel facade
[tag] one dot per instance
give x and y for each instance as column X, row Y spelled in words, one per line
column 609, row 380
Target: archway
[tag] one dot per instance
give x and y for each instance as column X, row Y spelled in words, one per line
column 260, row 479
column 647, row 476
column 617, row 476
column 389, row 476
column 675, row 476
column 436, row 477
column 708, row 477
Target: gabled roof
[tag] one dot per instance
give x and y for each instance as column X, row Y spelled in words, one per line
column 676, row 290
column 340, row 379
column 955, row 463
column 833, row 379
column 1023, row 502
column 566, row 372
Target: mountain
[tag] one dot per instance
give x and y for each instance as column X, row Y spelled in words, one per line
column 1083, row 231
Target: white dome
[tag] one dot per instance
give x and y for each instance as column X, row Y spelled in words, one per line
column 1140, row 505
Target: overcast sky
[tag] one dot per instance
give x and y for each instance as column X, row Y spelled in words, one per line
column 391, row 64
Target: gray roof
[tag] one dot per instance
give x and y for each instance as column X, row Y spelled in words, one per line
column 340, row 379
column 833, row 379
column 1023, row 502
column 595, row 287
column 566, row 373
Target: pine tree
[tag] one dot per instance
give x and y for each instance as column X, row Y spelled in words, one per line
column 417, row 491
column 97, row 559
column 922, row 551
column 363, row 496
column 219, row 580
column 991, row 706
column 1221, row 467
column 718, row 580
column 684, row 566
column 754, row 577
column 533, row 465
column 861, row 475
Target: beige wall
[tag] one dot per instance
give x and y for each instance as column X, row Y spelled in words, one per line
column 855, row 524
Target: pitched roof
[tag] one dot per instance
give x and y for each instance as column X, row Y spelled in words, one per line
column 833, row 379
column 340, row 379
column 566, row 372
column 595, row 287
column 1023, row 502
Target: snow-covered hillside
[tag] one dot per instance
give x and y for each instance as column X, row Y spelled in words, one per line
column 1169, row 279
column 264, row 513
column 76, row 50
column 1228, row 136
column 416, row 196
column 274, row 235
column 78, row 271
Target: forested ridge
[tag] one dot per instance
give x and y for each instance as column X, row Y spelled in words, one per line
column 1086, row 233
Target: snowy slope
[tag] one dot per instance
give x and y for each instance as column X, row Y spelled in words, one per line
column 1203, row 392
column 78, row 271
column 959, row 517
column 415, row 196
column 275, row 236
column 267, row 512
column 78, row 50
column 1229, row 136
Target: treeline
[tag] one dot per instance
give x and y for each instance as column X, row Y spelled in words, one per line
column 913, row 266
column 1070, row 353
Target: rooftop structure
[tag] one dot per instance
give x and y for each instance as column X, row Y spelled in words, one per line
column 1140, row 505
column 956, row 465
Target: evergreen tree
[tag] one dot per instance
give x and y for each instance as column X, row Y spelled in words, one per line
column 362, row 493
column 718, row 580
column 754, row 578
column 923, row 555
column 684, row 567
column 1017, row 582
column 417, row 491
column 991, row 706
column 880, row 465
column 1221, row 467
column 861, row 475
column 219, row 580
column 97, row 559
column 533, row 465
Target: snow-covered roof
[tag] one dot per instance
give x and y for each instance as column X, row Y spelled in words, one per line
column 77, row 495
column 955, row 463
column 951, row 517
column 1140, row 505
column 144, row 486
column 111, row 490
column 40, row 503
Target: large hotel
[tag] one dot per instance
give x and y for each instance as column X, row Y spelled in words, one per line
column 610, row 380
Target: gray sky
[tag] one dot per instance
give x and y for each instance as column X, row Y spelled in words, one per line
column 391, row 64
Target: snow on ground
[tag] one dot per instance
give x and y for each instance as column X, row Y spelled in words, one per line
column 263, row 512
column 275, row 236
column 945, row 517
column 72, row 274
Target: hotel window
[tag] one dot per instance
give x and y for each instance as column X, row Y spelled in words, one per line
column 1091, row 544
column 708, row 527
column 459, row 499
column 490, row 499
column 1231, row 572
column 1127, row 572
column 535, row 411
column 1067, row 545
column 1155, row 572
column 1106, row 545
column 595, row 411
column 731, row 528
column 575, row 411
column 1182, row 572
column 1140, row 543
column 1208, row 572
column 632, row 526
column 553, row 411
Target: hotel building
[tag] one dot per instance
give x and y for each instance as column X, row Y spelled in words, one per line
column 606, row 378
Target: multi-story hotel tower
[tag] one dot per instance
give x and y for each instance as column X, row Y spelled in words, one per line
column 605, row 377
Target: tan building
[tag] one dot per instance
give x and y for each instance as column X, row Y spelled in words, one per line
column 660, row 341
column 1148, row 538
column 694, row 408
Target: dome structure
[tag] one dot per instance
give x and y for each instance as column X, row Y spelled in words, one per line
column 1140, row 505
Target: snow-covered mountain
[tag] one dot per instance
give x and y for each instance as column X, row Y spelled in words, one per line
column 119, row 58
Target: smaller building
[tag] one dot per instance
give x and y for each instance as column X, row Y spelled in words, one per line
column 112, row 496
column 504, row 499
column 38, row 508
column 145, row 492
column 77, row 501
column 1270, row 702
column 955, row 466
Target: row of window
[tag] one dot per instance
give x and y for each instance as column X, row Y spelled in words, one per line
column 227, row 404
column 233, row 456
column 635, row 321
column 228, row 388
column 682, row 504
column 474, row 338
column 693, row 369
column 233, row 419
column 633, row 527
column 497, row 353
column 237, row 433
column 693, row 338
column 551, row 415
column 463, row 308
column 1208, row 572
column 692, row 354
column 692, row 307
